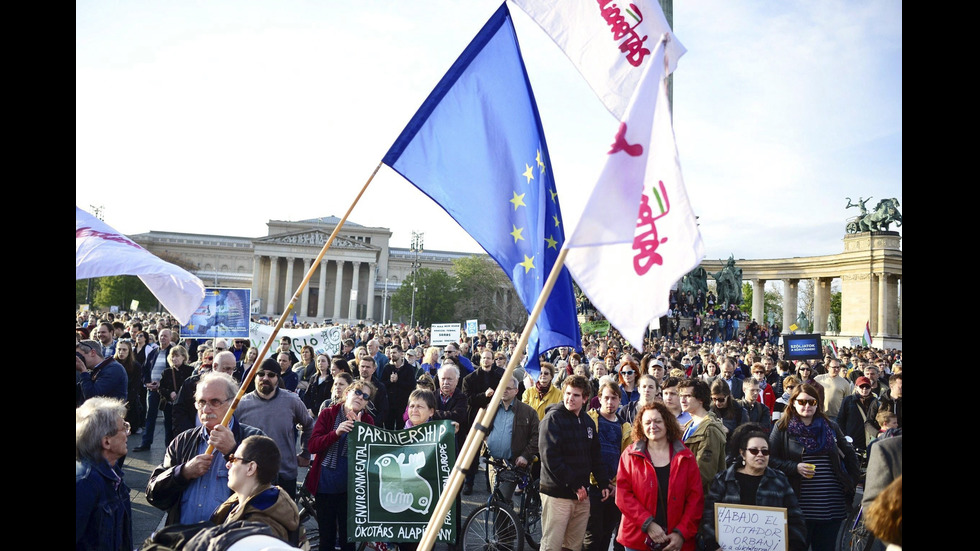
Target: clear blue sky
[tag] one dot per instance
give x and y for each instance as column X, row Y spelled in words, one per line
column 214, row 117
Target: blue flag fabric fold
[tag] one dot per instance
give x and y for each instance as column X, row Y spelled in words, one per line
column 477, row 148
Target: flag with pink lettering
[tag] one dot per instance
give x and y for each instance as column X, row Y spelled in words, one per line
column 102, row 251
column 609, row 42
column 638, row 234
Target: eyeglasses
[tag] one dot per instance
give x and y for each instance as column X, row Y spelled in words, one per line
column 757, row 451
column 232, row 458
column 267, row 374
column 359, row 392
column 126, row 428
column 806, row 402
column 213, row 402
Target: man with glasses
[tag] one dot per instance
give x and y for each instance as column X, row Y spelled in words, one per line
column 464, row 363
column 97, row 375
column 478, row 388
column 835, row 388
column 190, row 483
column 277, row 412
column 857, row 417
column 103, row 512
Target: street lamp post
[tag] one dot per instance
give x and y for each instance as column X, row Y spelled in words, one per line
column 384, row 301
column 416, row 248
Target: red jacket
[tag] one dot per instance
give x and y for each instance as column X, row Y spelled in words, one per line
column 322, row 438
column 636, row 495
column 768, row 397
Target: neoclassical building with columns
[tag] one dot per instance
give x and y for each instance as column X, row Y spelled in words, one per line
column 356, row 278
column 354, row 281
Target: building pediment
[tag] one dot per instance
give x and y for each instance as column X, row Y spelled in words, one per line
column 314, row 238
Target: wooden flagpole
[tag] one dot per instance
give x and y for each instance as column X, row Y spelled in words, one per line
column 484, row 417
column 289, row 307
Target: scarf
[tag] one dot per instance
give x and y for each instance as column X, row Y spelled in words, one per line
column 339, row 448
column 542, row 390
column 818, row 438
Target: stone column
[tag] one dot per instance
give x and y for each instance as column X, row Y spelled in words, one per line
column 352, row 312
column 304, row 301
column 901, row 305
column 321, row 301
column 372, row 279
column 759, row 301
column 336, row 292
column 288, row 287
column 273, row 284
column 256, row 271
column 821, row 304
column 790, row 308
column 882, row 305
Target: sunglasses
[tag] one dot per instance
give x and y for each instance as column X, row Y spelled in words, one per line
column 267, row 374
column 232, row 458
column 807, row 402
column 864, row 387
column 627, row 372
column 757, row 451
column 358, row 392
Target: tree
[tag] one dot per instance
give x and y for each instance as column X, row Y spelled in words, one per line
column 772, row 301
column 482, row 286
column 835, row 304
column 435, row 298
column 121, row 291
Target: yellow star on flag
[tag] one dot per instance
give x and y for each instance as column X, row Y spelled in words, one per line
column 553, row 194
column 517, row 233
column 528, row 173
column 538, row 159
column 528, row 263
column 557, row 222
column 518, row 200
column 552, row 244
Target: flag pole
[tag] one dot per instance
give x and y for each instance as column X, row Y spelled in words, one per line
column 289, row 307
column 481, row 426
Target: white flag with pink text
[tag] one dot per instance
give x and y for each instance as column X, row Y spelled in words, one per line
column 638, row 234
column 102, row 251
column 610, row 42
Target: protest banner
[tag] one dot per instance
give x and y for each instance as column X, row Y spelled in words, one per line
column 444, row 333
column 396, row 477
column 750, row 528
column 471, row 328
column 322, row 339
column 223, row 313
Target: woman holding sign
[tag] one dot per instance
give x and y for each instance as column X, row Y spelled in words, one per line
column 750, row 481
column 821, row 465
column 327, row 479
column 658, row 486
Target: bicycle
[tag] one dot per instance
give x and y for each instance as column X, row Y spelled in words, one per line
column 306, row 504
column 494, row 526
column 853, row 535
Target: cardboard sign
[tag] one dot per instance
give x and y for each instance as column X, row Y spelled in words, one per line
column 444, row 333
column 750, row 528
column 395, row 480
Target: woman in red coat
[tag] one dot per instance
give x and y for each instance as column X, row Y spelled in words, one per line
column 658, row 486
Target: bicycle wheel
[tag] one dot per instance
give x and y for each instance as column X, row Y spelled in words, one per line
column 492, row 528
column 853, row 535
column 531, row 515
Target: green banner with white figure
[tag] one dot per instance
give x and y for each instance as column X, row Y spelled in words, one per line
column 396, row 479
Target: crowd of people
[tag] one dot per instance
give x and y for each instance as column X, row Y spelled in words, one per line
column 632, row 448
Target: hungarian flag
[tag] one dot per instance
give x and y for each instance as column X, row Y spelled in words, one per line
column 638, row 234
column 866, row 337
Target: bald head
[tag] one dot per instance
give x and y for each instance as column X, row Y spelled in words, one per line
column 224, row 362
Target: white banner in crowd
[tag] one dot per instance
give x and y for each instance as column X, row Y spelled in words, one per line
column 444, row 333
column 322, row 339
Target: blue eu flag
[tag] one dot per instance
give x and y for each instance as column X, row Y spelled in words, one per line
column 477, row 148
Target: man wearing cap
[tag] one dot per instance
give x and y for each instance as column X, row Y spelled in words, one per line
column 857, row 414
column 657, row 370
column 277, row 412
